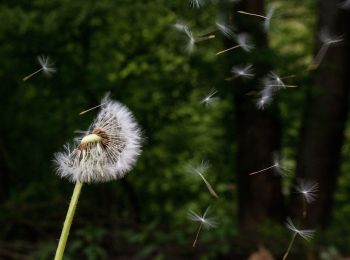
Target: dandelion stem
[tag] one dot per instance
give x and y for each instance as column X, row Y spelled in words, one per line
column 68, row 221
column 229, row 49
column 272, row 166
column 29, row 76
column 210, row 188
column 196, row 238
column 251, row 14
column 290, row 246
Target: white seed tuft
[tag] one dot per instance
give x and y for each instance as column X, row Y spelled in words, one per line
column 107, row 151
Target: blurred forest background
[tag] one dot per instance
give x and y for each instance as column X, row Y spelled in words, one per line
column 131, row 49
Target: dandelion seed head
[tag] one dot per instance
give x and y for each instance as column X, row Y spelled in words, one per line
column 307, row 234
column 207, row 222
column 107, row 152
column 46, row 64
column 244, row 71
column 308, row 190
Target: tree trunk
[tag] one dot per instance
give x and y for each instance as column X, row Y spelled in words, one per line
column 258, row 134
column 322, row 133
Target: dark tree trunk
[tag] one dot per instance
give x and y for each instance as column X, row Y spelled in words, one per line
column 325, row 116
column 258, row 135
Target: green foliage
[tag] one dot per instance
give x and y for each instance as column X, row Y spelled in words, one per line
column 132, row 51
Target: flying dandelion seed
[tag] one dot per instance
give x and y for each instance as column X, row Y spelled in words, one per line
column 243, row 41
column 243, row 71
column 209, row 99
column 327, row 42
column 205, row 221
column 269, row 15
column 46, row 67
column 307, row 234
column 308, row 190
column 276, row 165
column 191, row 40
column 275, row 81
column 108, row 152
column 201, row 170
column 196, row 3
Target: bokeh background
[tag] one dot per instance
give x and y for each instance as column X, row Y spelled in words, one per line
column 131, row 49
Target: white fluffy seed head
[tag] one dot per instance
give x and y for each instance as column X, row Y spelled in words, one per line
column 210, row 99
column 107, row 152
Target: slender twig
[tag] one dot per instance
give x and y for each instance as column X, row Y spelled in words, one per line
column 68, row 221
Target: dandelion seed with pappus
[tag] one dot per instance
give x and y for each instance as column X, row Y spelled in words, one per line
column 191, row 40
column 276, row 165
column 327, row 41
column 243, row 71
column 307, row 234
column 205, row 221
column 201, row 170
column 226, row 30
column 308, row 190
column 243, row 41
column 107, row 151
column 209, row 99
column 46, row 67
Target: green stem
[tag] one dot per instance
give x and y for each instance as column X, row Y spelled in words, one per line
column 68, row 221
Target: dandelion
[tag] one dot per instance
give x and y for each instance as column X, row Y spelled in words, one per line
column 206, row 222
column 265, row 98
column 191, row 40
column 307, row 234
column 267, row 18
column 243, row 41
column 243, row 71
column 201, row 170
column 46, row 67
column 308, row 190
column 327, row 41
column 196, row 3
column 209, row 99
column 276, row 165
column 107, row 151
